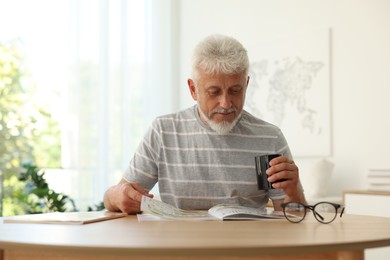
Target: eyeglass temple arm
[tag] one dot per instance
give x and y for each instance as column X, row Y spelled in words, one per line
column 342, row 211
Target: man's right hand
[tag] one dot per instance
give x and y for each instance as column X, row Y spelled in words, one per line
column 125, row 197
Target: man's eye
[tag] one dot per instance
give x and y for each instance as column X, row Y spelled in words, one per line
column 213, row 92
column 235, row 91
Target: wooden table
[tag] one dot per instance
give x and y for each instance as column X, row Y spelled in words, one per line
column 345, row 238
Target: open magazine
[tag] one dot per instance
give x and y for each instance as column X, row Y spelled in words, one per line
column 157, row 210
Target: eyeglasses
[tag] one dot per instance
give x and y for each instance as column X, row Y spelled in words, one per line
column 324, row 212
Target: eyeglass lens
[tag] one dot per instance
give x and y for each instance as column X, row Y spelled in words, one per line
column 294, row 212
column 326, row 212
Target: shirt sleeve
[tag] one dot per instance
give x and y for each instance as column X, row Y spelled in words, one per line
column 276, row 194
column 143, row 167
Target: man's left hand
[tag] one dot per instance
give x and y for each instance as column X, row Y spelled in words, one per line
column 284, row 174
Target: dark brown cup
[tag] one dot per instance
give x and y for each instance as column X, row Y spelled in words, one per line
column 262, row 164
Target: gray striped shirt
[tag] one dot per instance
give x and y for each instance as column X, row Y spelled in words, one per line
column 196, row 168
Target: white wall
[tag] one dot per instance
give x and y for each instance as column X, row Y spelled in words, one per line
column 360, row 67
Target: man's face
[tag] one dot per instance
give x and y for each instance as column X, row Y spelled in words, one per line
column 221, row 97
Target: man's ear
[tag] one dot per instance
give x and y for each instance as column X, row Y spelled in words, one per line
column 191, row 86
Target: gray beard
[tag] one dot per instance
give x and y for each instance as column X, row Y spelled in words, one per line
column 221, row 128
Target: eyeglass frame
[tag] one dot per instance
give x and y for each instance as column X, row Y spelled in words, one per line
column 317, row 215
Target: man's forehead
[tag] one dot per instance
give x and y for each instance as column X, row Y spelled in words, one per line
column 217, row 76
column 234, row 80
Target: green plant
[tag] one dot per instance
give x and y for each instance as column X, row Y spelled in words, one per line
column 97, row 207
column 38, row 197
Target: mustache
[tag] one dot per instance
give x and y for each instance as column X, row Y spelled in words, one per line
column 223, row 111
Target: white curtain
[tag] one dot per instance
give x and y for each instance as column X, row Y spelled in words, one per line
column 122, row 67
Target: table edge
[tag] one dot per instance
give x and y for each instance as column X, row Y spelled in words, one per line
column 201, row 251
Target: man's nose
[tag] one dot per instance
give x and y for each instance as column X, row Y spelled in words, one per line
column 225, row 101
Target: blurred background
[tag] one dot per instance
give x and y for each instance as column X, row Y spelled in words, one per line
column 81, row 80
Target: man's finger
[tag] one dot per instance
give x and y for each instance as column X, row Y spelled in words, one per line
column 133, row 193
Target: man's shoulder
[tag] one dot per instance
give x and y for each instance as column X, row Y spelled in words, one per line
column 182, row 116
column 187, row 113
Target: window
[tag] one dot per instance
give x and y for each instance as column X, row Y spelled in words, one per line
column 104, row 68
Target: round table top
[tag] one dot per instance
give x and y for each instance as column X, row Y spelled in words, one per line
column 129, row 236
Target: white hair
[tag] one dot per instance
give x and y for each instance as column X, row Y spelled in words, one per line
column 219, row 54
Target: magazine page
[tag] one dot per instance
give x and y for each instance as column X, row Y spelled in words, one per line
column 165, row 211
column 231, row 212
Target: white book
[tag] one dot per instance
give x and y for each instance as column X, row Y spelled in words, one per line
column 379, row 180
column 378, row 173
column 379, row 188
column 73, row 218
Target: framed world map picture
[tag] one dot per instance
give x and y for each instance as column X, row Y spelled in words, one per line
column 290, row 87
